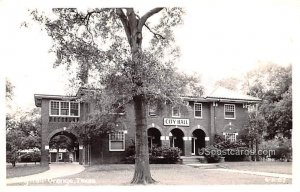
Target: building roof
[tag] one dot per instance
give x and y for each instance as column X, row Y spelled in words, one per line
column 38, row 98
column 218, row 94
column 226, row 94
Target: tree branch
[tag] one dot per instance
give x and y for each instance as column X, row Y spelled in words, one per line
column 147, row 15
column 156, row 35
column 124, row 21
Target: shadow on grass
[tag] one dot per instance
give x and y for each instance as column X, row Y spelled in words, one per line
column 24, row 170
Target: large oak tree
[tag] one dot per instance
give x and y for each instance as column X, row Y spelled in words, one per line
column 106, row 44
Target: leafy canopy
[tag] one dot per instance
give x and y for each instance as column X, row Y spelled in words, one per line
column 97, row 44
column 273, row 84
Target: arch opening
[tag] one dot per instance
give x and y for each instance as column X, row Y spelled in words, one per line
column 63, row 147
column 176, row 139
column 154, row 138
column 198, row 141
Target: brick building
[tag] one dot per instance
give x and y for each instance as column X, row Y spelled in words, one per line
column 188, row 127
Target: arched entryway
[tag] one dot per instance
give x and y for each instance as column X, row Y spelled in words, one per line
column 153, row 137
column 176, row 139
column 198, row 141
column 63, row 147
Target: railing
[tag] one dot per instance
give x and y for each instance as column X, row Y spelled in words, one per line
column 63, row 119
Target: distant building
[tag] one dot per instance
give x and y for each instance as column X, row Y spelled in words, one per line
column 189, row 127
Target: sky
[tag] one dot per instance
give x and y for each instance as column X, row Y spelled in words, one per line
column 217, row 40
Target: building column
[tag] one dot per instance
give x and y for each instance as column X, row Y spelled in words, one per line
column 187, row 146
column 165, row 141
column 44, row 145
column 80, row 160
column 212, row 131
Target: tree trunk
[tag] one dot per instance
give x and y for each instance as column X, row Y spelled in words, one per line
column 133, row 28
column 57, row 155
column 142, row 173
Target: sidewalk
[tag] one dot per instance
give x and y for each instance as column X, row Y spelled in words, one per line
column 287, row 176
column 56, row 170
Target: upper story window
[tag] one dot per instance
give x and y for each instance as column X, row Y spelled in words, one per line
column 229, row 111
column 198, row 110
column 64, row 108
column 54, row 106
column 117, row 141
column 176, row 111
column 74, row 109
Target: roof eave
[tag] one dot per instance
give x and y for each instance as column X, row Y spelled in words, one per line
column 38, row 98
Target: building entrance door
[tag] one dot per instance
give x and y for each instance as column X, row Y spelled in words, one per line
column 198, row 141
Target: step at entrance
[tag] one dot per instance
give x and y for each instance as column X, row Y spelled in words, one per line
column 193, row 159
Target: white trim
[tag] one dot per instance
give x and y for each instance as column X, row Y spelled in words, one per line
column 109, row 142
column 197, row 117
column 229, row 135
column 234, row 112
column 60, row 156
column 59, row 109
column 178, row 111
column 193, row 143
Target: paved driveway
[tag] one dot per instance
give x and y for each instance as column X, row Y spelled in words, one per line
column 56, row 170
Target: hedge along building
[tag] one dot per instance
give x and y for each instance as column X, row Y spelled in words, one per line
column 189, row 127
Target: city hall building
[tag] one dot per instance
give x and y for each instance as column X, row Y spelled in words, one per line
column 188, row 127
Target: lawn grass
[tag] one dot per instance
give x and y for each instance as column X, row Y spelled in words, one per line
column 121, row 174
column 24, row 169
column 261, row 166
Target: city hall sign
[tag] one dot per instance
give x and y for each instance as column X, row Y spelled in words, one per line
column 178, row 122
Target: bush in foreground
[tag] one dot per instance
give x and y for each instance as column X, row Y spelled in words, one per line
column 157, row 155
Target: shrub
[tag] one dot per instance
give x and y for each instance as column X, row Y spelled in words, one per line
column 157, row 155
column 282, row 153
column 212, row 154
column 281, row 146
column 30, row 157
column 233, row 151
column 164, row 155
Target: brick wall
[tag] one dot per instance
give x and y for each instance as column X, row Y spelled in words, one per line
column 100, row 148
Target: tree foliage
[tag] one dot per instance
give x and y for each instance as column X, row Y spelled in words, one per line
column 273, row 84
column 229, row 83
column 106, row 45
column 9, row 89
column 22, row 133
column 95, row 126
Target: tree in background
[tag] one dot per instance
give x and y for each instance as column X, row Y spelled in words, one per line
column 252, row 132
column 22, row 132
column 107, row 44
column 229, row 83
column 273, row 84
column 9, row 88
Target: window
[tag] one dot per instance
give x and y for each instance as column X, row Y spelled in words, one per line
column 152, row 109
column 64, row 108
column 54, row 107
column 198, row 110
column 175, row 112
column 74, row 109
column 230, row 137
column 117, row 141
column 229, row 111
